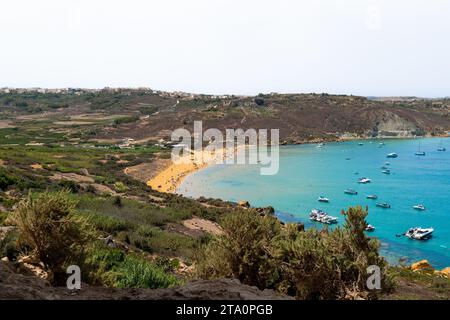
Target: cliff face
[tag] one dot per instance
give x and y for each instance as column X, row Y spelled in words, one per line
column 390, row 125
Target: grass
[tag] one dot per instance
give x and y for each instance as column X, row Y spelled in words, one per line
column 426, row 285
column 114, row 268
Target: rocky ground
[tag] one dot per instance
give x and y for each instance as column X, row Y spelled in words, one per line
column 20, row 286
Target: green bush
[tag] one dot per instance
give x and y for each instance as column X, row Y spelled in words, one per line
column 9, row 246
column 310, row 264
column 114, row 268
column 5, row 179
column 135, row 272
column 48, row 224
column 105, row 223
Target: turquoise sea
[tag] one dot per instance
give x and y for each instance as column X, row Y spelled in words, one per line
column 307, row 172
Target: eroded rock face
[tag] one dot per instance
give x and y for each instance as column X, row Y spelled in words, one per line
column 421, row 265
column 17, row 286
column 393, row 126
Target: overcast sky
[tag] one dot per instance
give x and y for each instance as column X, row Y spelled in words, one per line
column 362, row 47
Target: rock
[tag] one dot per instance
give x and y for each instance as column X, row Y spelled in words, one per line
column 16, row 285
column 29, row 259
column 445, row 272
column 244, row 204
column 5, row 259
column 421, row 265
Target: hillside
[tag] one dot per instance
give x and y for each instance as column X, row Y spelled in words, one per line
column 110, row 115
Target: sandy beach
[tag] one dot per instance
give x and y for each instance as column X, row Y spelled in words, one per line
column 170, row 177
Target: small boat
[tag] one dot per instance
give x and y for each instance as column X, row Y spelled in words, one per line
column 392, row 155
column 381, row 143
column 419, row 153
column 364, row 180
column 350, row 191
column 370, row 227
column 360, row 144
column 348, row 158
column 320, row 145
column 441, row 147
column 322, row 217
column 384, row 167
column 419, row 233
column 383, row 205
column 387, row 163
column 419, row 207
column 387, row 171
column 372, row 196
column 323, row 199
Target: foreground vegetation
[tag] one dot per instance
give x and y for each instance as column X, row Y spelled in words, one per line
column 312, row 264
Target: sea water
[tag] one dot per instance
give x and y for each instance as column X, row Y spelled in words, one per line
column 307, row 172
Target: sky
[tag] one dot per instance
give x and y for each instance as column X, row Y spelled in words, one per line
column 360, row 47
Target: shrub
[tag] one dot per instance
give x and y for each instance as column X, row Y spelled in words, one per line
column 47, row 224
column 70, row 185
column 9, row 246
column 120, row 186
column 243, row 252
column 114, row 268
column 310, row 264
column 5, row 179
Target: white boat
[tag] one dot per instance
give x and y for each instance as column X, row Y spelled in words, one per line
column 419, row 207
column 372, row 196
column 320, row 145
column 386, row 171
column 441, row 147
column 419, row 233
column 384, row 205
column 351, row 191
column 392, row 155
column 364, row 180
column 360, row 144
column 323, row 199
column 370, row 227
column 322, row 217
column 419, row 153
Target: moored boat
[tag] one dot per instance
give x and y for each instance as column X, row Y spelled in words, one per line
column 322, row 217
column 323, row 199
column 419, row 207
column 384, row 205
column 419, row 152
column 392, row 155
column 419, row 233
column 386, row 171
column 364, row 180
column 350, row 191
column 370, row 227
column 372, row 196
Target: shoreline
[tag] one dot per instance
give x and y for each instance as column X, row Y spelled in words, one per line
column 171, row 177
